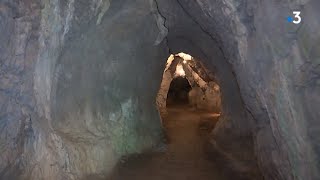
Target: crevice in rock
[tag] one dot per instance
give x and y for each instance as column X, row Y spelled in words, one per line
column 164, row 24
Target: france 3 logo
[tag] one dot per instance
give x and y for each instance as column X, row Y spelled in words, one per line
column 296, row 19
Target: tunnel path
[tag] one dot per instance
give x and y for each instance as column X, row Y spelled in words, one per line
column 184, row 158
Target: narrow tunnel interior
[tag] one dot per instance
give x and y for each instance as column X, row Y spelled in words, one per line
column 178, row 91
column 192, row 109
column 159, row 89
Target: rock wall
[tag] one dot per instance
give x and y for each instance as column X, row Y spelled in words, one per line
column 168, row 74
column 233, row 132
column 206, row 99
column 78, row 85
column 274, row 64
column 19, row 26
column 78, row 81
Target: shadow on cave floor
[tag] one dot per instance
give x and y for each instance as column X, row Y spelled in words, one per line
column 184, row 157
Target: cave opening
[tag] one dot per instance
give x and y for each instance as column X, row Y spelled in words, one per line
column 178, row 91
column 192, row 100
column 186, row 82
column 189, row 103
column 79, row 80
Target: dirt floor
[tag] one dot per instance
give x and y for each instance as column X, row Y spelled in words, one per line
column 184, row 157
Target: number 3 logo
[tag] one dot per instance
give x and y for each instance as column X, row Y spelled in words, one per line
column 297, row 17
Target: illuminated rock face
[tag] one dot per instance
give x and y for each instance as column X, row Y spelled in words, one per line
column 205, row 93
column 78, row 82
column 207, row 99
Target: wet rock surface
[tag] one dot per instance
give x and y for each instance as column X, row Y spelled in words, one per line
column 186, row 155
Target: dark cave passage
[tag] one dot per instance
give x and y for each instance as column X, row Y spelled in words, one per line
column 90, row 89
column 178, row 91
column 185, row 152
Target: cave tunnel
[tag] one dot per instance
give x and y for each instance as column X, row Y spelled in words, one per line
column 85, row 90
column 178, row 91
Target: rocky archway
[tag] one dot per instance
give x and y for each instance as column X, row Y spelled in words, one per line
column 205, row 92
column 178, row 91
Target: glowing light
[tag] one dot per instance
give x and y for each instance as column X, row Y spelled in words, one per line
column 169, row 61
column 180, row 71
column 215, row 114
column 185, row 56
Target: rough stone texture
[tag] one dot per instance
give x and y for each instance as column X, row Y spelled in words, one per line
column 74, row 96
column 167, row 77
column 234, row 130
column 78, row 81
column 207, row 98
column 202, row 95
column 19, row 24
column 275, row 64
